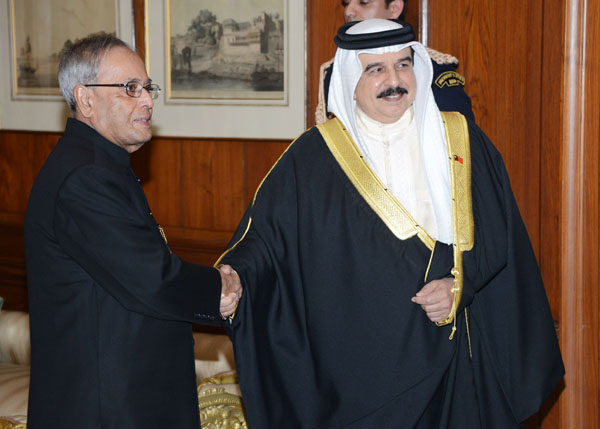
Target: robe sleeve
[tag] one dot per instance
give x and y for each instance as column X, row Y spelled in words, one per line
column 103, row 222
column 491, row 209
column 269, row 329
column 266, row 236
column 508, row 306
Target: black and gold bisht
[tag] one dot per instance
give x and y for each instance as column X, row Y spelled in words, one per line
column 326, row 335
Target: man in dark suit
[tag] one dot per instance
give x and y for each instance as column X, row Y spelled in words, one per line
column 111, row 307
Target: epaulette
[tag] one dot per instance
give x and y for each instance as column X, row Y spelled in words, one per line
column 441, row 58
column 321, row 110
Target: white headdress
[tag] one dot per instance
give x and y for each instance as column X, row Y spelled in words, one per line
column 380, row 36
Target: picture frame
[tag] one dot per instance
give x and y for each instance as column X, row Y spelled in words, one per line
column 215, row 91
column 30, row 50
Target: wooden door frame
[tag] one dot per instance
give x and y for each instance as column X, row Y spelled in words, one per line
column 579, row 238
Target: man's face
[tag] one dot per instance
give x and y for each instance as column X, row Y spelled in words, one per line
column 124, row 120
column 387, row 85
column 359, row 10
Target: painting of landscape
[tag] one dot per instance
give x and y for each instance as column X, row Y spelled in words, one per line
column 229, row 49
column 42, row 30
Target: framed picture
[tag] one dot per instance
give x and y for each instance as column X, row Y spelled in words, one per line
column 227, row 50
column 34, row 34
column 229, row 68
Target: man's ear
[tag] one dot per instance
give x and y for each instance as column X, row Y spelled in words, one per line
column 395, row 7
column 85, row 103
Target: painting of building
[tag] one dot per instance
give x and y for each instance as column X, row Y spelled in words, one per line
column 38, row 43
column 229, row 58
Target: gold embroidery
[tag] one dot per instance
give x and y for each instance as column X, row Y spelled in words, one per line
column 8, row 423
column 321, row 110
column 369, row 186
column 226, row 378
column 440, row 57
column 219, row 409
column 468, row 334
column 429, row 265
column 449, row 79
column 459, row 154
column 162, row 232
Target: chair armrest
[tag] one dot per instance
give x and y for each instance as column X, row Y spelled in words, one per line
column 15, row 345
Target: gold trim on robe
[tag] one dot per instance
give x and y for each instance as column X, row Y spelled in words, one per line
column 369, row 186
column 399, row 221
column 459, row 154
column 391, row 211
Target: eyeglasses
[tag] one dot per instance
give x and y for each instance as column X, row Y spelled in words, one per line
column 133, row 88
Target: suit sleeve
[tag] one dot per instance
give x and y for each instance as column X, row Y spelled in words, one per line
column 102, row 222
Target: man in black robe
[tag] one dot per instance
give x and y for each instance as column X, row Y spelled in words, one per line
column 111, row 307
column 389, row 281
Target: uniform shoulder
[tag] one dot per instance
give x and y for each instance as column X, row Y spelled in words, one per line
column 442, row 58
column 325, row 66
column 324, row 78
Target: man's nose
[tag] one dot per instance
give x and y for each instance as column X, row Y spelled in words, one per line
column 350, row 13
column 392, row 76
column 145, row 100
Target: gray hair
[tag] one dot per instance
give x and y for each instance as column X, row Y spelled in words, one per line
column 79, row 63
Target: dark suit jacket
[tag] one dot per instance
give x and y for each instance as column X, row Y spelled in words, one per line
column 111, row 307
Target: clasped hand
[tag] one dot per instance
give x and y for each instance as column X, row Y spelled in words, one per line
column 436, row 298
column 231, row 290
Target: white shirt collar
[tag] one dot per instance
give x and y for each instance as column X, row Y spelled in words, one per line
column 366, row 124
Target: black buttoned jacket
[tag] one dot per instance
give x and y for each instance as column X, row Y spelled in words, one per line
column 111, row 307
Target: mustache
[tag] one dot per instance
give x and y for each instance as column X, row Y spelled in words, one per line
column 392, row 91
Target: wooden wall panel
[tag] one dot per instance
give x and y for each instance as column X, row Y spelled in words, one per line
column 324, row 17
column 22, row 154
column 414, row 11
column 260, row 156
column 551, row 136
column 12, row 267
column 550, row 182
column 579, row 238
column 212, row 191
column 158, row 165
column 499, row 46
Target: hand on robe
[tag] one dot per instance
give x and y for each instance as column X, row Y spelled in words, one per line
column 231, row 290
column 435, row 298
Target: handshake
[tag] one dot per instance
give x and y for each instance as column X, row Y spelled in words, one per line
column 231, row 291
